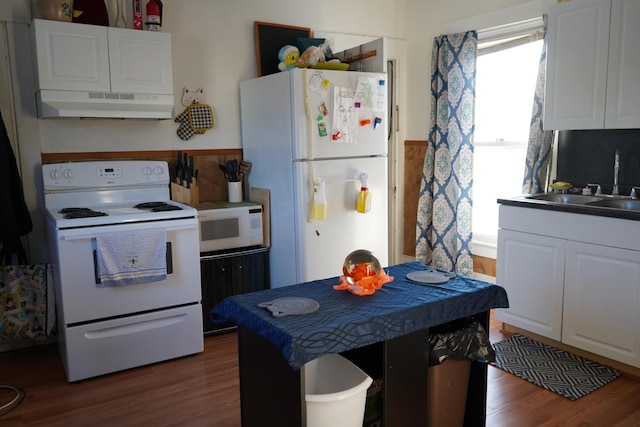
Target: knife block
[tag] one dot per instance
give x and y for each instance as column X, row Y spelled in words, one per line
column 188, row 196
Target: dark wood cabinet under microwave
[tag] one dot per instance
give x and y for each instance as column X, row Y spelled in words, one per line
column 231, row 273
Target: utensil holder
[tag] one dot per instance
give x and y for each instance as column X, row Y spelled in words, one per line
column 234, row 189
column 189, row 196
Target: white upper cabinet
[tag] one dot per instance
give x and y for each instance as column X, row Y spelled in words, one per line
column 140, row 61
column 593, row 65
column 71, row 56
column 623, row 78
column 81, row 57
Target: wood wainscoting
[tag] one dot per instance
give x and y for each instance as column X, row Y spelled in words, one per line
column 414, row 152
column 211, row 182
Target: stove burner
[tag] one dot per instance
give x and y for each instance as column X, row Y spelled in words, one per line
column 149, row 205
column 69, row 210
column 158, row 206
column 166, row 207
column 73, row 213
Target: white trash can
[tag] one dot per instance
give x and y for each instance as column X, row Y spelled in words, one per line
column 335, row 392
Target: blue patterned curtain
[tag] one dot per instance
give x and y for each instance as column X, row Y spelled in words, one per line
column 539, row 150
column 443, row 232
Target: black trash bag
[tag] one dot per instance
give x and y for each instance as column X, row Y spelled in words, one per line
column 463, row 339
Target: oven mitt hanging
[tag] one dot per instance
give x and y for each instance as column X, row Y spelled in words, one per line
column 195, row 119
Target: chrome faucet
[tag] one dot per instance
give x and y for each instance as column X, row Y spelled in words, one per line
column 616, row 169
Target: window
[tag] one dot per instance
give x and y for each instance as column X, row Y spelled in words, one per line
column 505, row 84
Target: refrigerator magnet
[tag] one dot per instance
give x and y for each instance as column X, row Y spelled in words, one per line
column 323, row 110
column 322, row 129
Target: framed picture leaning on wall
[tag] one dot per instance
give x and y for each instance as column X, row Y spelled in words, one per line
column 270, row 38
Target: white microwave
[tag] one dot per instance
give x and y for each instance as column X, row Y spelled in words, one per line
column 225, row 225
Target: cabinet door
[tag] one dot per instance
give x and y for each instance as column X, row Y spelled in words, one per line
column 623, row 86
column 531, row 268
column 225, row 276
column 217, row 284
column 602, row 301
column 140, row 61
column 578, row 44
column 71, row 56
column 249, row 273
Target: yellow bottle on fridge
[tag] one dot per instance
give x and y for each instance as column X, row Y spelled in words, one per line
column 363, row 204
column 319, row 200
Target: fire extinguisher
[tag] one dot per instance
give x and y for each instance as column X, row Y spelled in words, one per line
column 154, row 15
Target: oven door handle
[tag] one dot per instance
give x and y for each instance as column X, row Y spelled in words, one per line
column 93, row 236
column 81, row 237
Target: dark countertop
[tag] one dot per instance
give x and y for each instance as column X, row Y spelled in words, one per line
column 523, row 202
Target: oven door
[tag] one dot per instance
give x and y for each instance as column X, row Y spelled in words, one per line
column 82, row 299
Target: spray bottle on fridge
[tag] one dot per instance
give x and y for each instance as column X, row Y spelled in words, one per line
column 363, row 204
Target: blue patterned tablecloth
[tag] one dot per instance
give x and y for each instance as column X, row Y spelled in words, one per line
column 345, row 321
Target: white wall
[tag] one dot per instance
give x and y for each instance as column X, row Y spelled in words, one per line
column 15, row 10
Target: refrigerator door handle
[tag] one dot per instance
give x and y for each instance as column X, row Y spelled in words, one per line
column 324, row 159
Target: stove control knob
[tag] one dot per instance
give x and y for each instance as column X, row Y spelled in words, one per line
column 55, row 174
column 69, row 173
column 146, row 171
column 158, row 170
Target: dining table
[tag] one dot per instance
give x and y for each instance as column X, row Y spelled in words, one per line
column 386, row 334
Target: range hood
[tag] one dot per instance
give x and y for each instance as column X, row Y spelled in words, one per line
column 93, row 104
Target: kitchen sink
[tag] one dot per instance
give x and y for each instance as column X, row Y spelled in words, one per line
column 616, row 206
column 573, row 199
column 627, row 204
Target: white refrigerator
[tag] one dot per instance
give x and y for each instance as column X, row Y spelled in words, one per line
column 309, row 130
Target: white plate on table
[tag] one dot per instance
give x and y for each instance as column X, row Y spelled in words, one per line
column 289, row 306
column 431, row 277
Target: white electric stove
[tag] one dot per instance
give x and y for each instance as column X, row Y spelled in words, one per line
column 107, row 329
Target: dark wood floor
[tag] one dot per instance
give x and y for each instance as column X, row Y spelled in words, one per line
column 202, row 390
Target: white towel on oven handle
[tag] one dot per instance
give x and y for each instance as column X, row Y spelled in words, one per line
column 129, row 258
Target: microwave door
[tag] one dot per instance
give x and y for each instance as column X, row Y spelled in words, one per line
column 223, row 231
